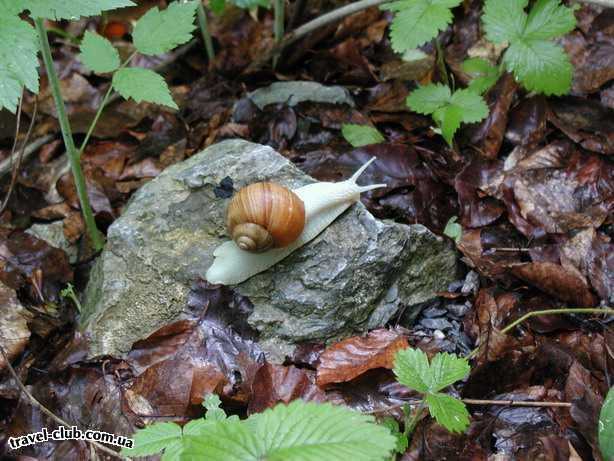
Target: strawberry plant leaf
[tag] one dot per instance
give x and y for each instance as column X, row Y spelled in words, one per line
column 427, row 99
column 158, row 31
column 446, row 369
column 418, row 21
column 548, row 19
column 539, row 64
column 300, row 431
column 143, row 85
column 217, row 6
column 153, row 439
column 361, row 135
column 18, row 60
column 98, row 54
column 69, row 9
column 483, row 74
column 411, row 367
column 451, row 413
column 606, row 426
column 448, row 109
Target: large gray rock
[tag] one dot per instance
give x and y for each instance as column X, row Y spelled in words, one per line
column 356, row 275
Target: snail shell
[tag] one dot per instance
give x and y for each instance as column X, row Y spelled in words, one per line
column 323, row 202
column 265, row 215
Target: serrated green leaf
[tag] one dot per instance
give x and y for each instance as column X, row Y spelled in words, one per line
column 540, row 66
column 411, row 367
column 448, row 110
column 418, row 21
column 70, row 9
column 606, row 426
column 483, row 74
column 299, row 431
column 361, row 135
column 143, row 85
column 473, row 106
column 393, row 426
column 153, row 439
column 158, row 31
column 549, row 19
column 504, row 20
column 18, row 60
column 451, row 413
column 446, row 369
column 214, row 413
column 427, row 99
column 98, row 54
column 8, row 7
column 173, row 451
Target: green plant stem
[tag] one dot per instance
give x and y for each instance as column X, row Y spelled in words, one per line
column 103, row 104
column 204, row 30
column 441, row 62
column 73, row 154
column 410, row 425
column 571, row 310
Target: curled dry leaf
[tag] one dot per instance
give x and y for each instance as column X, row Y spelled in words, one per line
column 564, row 283
column 275, row 383
column 352, row 357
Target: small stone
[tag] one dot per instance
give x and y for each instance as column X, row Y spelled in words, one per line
column 293, row 93
column 434, row 311
column 458, row 310
column 53, row 234
column 436, row 324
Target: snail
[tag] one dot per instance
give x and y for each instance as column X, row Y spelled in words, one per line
column 255, row 247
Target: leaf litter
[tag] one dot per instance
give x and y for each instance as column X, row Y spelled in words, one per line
column 532, row 186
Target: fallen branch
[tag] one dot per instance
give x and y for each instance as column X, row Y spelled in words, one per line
column 506, row 403
column 5, row 165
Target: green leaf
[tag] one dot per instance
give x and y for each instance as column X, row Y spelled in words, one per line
column 98, row 54
column 446, row 369
column 143, row 85
column 18, row 60
column 548, row 19
column 606, row 426
column 69, row 9
column 453, row 229
column 10, row 7
column 418, row 21
column 153, row 439
column 158, row 31
column 361, row 135
column 427, row 99
column 504, row 20
column 411, row 367
column 217, row 6
column 451, row 413
column 448, row 110
column 214, row 413
column 299, row 431
column 393, row 426
column 483, row 74
column 540, row 66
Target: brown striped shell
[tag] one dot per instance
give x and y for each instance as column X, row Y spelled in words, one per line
column 265, row 215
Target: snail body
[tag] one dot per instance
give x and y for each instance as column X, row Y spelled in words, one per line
column 323, row 203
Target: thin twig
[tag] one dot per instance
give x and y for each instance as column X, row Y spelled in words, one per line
column 5, row 165
column 34, row 401
column 507, row 403
column 571, row 310
column 307, row 28
column 21, row 151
